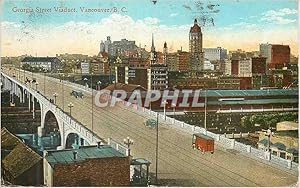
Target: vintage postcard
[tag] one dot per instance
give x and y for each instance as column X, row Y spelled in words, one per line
column 182, row 93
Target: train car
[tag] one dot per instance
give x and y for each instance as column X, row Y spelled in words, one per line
column 203, row 143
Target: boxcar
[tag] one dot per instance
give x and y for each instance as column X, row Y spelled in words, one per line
column 203, row 143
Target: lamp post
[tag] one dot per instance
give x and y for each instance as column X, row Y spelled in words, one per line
column 70, row 105
column 114, row 82
column 62, row 91
column 36, row 85
column 128, row 143
column 45, row 82
column 99, row 85
column 165, row 103
column 205, row 105
column 85, row 80
column 55, row 95
column 173, row 105
column 92, row 103
column 268, row 134
column 156, row 151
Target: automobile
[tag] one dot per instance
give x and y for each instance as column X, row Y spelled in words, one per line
column 76, row 94
column 150, row 123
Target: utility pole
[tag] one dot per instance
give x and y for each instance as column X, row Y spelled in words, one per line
column 205, row 104
column 156, row 155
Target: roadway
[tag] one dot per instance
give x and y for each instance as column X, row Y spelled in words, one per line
column 178, row 163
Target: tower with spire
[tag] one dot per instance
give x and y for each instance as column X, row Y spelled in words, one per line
column 195, row 45
column 165, row 52
column 153, row 55
column 158, row 73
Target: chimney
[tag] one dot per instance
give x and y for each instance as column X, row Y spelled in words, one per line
column 75, row 155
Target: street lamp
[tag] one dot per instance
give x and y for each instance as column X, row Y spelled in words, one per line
column 114, row 82
column 85, row 80
column 165, row 103
column 128, row 143
column 70, row 105
column 173, row 105
column 268, row 134
column 36, row 85
column 45, row 81
column 55, row 95
column 156, row 151
column 99, row 85
column 205, row 106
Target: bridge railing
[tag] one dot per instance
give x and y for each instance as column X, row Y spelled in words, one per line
column 119, row 147
column 226, row 142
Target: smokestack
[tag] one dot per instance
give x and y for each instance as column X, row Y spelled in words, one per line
column 75, row 155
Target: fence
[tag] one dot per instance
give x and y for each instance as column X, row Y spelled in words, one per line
column 119, row 147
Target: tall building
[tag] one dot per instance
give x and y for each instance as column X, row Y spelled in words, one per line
column 171, row 62
column 158, row 78
column 277, row 55
column 183, row 60
column 102, row 46
column 107, row 44
column 245, row 67
column 119, row 47
column 259, row 65
column 215, row 54
column 165, row 52
column 195, row 44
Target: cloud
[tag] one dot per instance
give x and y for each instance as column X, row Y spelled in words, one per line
column 85, row 37
column 173, row 14
column 279, row 16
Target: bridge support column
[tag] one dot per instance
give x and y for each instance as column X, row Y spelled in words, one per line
column 41, row 133
column 63, row 140
column 248, row 148
column 268, row 156
column 232, row 143
column 23, row 95
column 33, row 108
column 29, row 101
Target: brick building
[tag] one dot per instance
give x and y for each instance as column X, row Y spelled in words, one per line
column 95, row 166
column 183, row 60
column 280, row 55
column 277, row 55
column 259, row 65
column 234, row 67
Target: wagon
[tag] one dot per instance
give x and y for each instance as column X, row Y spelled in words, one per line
column 151, row 123
column 203, row 143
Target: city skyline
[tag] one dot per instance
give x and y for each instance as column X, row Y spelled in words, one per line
column 245, row 28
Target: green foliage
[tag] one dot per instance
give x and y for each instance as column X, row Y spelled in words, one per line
column 267, row 120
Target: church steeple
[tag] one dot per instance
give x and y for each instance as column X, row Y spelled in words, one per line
column 152, row 46
column 152, row 53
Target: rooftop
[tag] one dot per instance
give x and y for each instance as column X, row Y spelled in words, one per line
column 20, row 159
column 195, row 28
column 39, row 59
column 286, row 126
column 203, row 136
column 83, row 153
column 8, row 140
column 125, row 87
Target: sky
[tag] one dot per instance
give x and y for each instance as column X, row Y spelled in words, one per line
column 231, row 24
